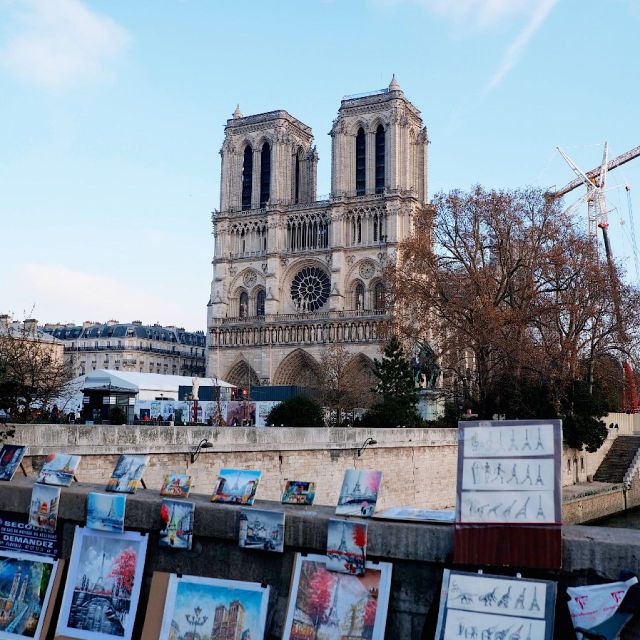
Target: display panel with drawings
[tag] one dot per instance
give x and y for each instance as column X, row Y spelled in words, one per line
column 476, row 605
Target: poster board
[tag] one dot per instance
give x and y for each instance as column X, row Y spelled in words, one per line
column 509, row 493
column 155, row 606
column 474, row 605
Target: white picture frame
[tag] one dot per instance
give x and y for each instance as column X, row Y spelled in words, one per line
column 383, row 583
column 200, row 584
column 92, row 549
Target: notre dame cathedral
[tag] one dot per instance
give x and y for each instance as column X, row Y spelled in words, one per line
column 291, row 273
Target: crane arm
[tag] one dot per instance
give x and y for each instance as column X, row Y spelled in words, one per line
column 594, row 173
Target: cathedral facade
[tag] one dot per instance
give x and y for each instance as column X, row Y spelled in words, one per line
column 293, row 273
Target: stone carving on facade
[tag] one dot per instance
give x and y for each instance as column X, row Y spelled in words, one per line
column 284, row 262
column 367, row 270
column 250, row 278
column 265, row 266
column 350, row 260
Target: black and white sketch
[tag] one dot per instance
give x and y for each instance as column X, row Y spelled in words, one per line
column 482, row 607
column 508, row 506
column 531, row 440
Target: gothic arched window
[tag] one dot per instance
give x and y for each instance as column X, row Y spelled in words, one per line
column 243, row 309
column 361, row 174
column 379, row 297
column 380, row 159
column 296, row 195
column 247, row 177
column 260, row 298
column 359, row 297
column 265, row 174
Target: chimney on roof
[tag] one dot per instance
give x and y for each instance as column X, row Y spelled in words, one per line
column 31, row 326
column 137, row 323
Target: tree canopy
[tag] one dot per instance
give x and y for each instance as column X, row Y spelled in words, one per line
column 517, row 303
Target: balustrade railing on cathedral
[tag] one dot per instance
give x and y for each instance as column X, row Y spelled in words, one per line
column 304, row 317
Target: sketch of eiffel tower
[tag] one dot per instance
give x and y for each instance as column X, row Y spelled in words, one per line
column 512, row 443
column 539, row 444
column 539, row 478
column 529, row 634
column 526, row 444
column 520, row 601
column 540, row 514
column 534, row 603
column 523, row 511
column 342, row 548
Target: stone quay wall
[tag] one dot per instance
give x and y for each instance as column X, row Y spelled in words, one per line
column 418, row 465
column 419, row 552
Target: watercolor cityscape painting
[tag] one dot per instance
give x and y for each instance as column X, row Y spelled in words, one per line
column 236, row 485
column 261, row 529
column 359, row 493
column 10, row 458
column 213, row 608
column 106, row 512
column 176, row 485
column 25, row 588
column 347, row 546
column 299, row 492
column 334, row 606
column 103, row 584
column 127, row 474
column 177, row 520
column 43, row 511
column 59, row 469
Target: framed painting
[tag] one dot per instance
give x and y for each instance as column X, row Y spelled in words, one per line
column 26, row 582
column 59, row 469
column 347, row 546
column 177, row 524
column 106, row 512
column 10, row 458
column 43, row 510
column 127, row 474
column 333, row 606
column 359, row 493
column 237, row 486
column 176, row 485
column 298, row 492
column 198, row 607
column 261, row 529
column 474, row 605
column 103, row 585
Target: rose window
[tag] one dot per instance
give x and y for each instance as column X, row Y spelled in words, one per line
column 310, row 288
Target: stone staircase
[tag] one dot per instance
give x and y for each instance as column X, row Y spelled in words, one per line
column 618, row 460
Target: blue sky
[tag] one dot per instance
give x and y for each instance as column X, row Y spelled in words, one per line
column 113, row 114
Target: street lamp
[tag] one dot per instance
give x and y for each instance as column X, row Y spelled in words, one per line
column 368, row 442
column 203, row 444
column 195, row 619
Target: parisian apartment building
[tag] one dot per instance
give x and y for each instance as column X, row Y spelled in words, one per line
column 131, row 346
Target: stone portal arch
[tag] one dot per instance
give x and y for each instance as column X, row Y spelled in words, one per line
column 359, row 373
column 299, row 369
column 242, row 374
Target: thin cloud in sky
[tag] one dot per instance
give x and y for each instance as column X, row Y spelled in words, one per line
column 515, row 50
column 55, row 44
column 55, row 290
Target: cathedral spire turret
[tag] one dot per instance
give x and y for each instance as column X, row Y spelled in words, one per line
column 237, row 113
column 393, row 85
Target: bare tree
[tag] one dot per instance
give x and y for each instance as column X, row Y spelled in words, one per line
column 33, row 373
column 343, row 385
column 508, row 289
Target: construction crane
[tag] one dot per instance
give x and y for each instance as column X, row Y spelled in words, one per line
column 595, row 182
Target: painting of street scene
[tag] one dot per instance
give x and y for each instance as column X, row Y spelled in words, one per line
column 43, row 511
column 59, row 469
column 260, row 529
column 359, row 493
column 10, row 458
column 177, row 520
column 103, row 584
column 298, row 492
column 212, row 608
column 105, row 512
column 25, row 587
column 347, row 546
column 236, row 485
column 176, row 485
column 127, row 474
column 324, row 605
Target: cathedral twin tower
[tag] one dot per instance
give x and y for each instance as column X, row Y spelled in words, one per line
column 293, row 274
